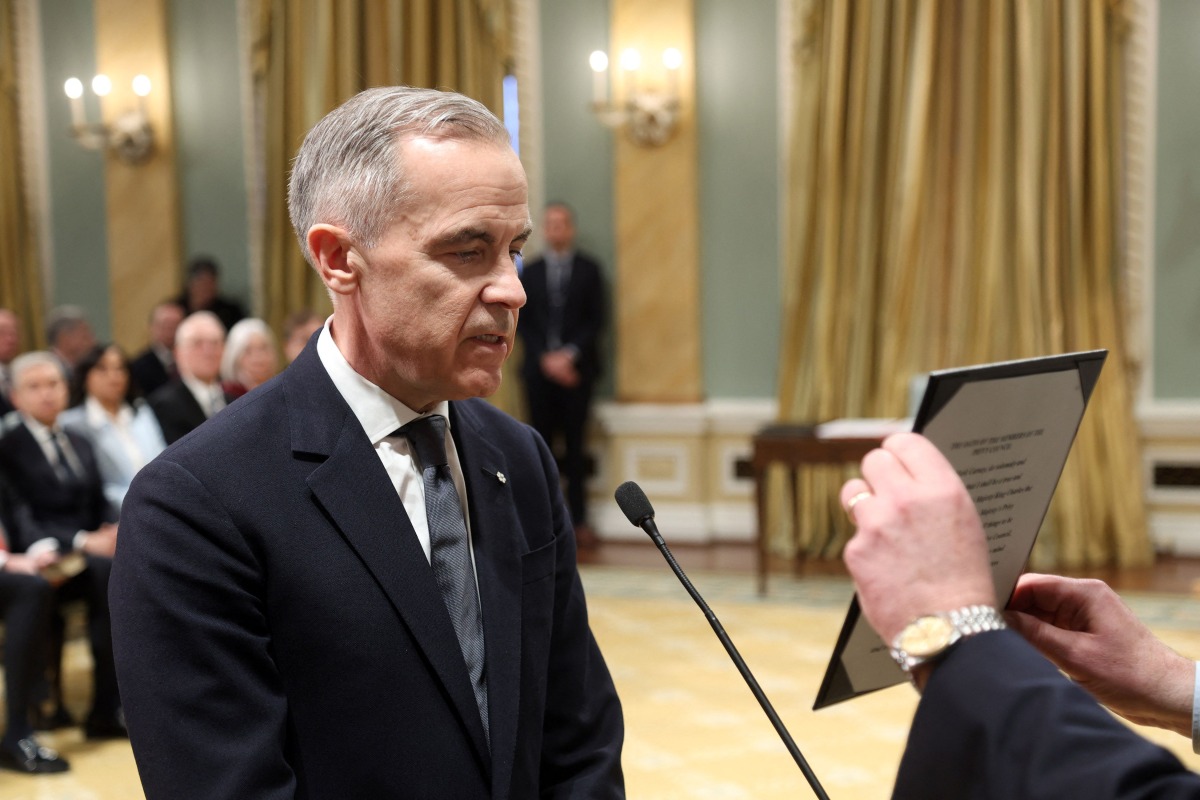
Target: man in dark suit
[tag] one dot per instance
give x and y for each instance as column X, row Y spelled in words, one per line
column 26, row 600
column 196, row 395
column 155, row 366
column 996, row 719
column 202, row 292
column 313, row 598
column 560, row 327
column 10, row 346
column 63, row 510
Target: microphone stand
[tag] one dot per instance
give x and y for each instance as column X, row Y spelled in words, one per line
column 647, row 524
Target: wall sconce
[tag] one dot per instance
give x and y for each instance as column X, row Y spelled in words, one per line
column 650, row 116
column 129, row 136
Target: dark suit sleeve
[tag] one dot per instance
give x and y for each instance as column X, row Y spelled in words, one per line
column 584, row 728
column 999, row 721
column 207, row 710
column 585, row 317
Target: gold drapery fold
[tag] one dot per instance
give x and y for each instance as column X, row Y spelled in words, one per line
column 20, row 275
column 310, row 55
column 953, row 200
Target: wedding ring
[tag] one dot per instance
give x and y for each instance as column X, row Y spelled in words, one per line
column 853, row 501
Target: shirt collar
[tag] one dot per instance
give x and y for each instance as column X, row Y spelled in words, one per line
column 40, row 432
column 378, row 412
column 98, row 416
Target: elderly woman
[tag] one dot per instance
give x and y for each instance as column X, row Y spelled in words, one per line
column 251, row 357
column 124, row 431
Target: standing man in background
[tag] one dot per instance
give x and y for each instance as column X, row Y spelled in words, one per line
column 561, row 327
column 360, row 580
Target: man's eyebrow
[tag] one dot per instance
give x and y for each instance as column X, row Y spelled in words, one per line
column 465, row 236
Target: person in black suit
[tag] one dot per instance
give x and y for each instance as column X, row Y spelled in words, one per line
column 202, row 292
column 62, row 510
column 26, row 600
column 10, row 346
column 996, row 718
column 154, row 367
column 310, row 599
column 560, row 328
column 196, row 395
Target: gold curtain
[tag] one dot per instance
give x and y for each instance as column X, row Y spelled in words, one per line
column 953, row 197
column 20, row 281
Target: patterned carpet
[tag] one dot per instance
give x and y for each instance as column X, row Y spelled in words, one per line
column 693, row 729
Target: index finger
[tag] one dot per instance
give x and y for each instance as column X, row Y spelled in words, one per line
column 919, row 457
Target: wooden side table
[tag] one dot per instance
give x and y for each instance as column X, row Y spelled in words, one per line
column 795, row 446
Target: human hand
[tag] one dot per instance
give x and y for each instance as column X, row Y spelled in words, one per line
column 22, row 564
column 559, row 367
column 102, row 541
column 1089, row 633
column 919, row 547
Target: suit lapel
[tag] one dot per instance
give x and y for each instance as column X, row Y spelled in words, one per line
column 498, row 545
column 354, row 490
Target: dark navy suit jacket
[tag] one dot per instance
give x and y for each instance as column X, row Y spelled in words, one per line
column 49, row 507
column 279, row 633
column 998, row 721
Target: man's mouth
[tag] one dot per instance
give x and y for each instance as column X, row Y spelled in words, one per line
column 490, row 338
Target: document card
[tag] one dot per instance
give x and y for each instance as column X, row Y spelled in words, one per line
column 1007, row 429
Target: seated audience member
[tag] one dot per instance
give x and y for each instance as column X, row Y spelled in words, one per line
column 10, row 346
column 61, row 508
column 124, row 434
column 202, row 292
column 251, row 357
column 69, row 336
column 155, row 365
column 184, row 403
column 26, row 600
column 996, row 719
column 297, row 330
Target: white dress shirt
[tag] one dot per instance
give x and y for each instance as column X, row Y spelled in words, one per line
column 381, row 415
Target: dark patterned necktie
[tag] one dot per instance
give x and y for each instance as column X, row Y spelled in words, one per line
column 63, row 467
column 449, row 554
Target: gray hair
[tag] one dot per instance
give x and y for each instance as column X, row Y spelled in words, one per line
column 238, row 339
column 195, row 319
column 35, row 358
column 348, row 173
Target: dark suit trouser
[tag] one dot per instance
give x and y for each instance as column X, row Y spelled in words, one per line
column 91, row 586
column 554, row 409
column 26, row 601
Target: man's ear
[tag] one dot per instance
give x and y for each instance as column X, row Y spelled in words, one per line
column 335, row 256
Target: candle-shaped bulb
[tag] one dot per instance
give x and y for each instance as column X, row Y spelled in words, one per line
column 599, row 63
column 101, row 85
column 672, row 59
column 631, row 59
column 141, row 85
column 74, row 89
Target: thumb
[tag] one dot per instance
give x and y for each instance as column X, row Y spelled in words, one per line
column 1054, row 643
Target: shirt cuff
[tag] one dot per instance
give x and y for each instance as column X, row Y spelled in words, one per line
column 1196, row 712
column 3, row 559
column 47, row 545
column 79, row 540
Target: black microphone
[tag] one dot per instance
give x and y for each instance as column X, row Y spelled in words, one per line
column 637, row 509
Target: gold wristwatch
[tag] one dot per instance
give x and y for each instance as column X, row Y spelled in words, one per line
column 929, row 637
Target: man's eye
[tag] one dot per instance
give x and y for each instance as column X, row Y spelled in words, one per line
column 467, row 255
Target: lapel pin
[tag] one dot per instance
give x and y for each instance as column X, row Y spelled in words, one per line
column 500, row 477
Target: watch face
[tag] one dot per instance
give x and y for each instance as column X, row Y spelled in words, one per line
column 926, row 636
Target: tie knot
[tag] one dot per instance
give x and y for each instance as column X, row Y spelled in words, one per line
column 427, row 435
